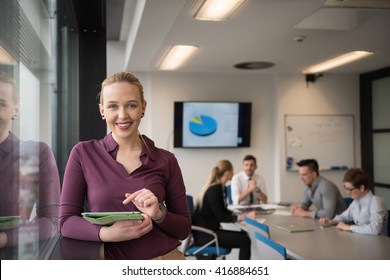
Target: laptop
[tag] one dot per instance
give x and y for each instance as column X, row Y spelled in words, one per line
column 294, row 227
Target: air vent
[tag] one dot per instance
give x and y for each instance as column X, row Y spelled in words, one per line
column 254, row 65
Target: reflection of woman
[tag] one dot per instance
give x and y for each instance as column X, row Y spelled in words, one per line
column 126, row 172
column 29, row 176
column 211, row 210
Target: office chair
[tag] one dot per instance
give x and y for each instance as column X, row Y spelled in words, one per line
column 253, row 226
column 210, row 250
column 347, row 201
column 269, row 249
column 228, row 190
column 190, row 202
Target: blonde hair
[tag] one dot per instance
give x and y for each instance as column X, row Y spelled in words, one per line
column 122, row 77
column 128, row 78
column 214, row 178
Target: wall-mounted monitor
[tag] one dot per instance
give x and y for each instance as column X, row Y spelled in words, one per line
column 212, row 124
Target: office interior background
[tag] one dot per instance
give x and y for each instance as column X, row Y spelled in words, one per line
column 60, row 51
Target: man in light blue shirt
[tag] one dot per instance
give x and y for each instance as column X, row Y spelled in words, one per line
column 367, row 213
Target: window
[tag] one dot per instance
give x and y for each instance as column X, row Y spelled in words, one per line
column 375, row 127
column 26, row 36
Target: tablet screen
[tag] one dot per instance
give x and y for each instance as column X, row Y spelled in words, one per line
column 108, row 218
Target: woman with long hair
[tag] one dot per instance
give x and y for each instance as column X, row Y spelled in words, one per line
column 211, row 210
column 124, row 172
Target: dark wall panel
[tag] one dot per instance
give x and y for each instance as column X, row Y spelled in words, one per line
column 91, row 24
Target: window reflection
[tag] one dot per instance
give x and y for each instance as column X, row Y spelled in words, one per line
column 30, row 185
column 29, row 177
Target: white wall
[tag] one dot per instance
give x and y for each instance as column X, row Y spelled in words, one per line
column 272, row 96
column 332, row 94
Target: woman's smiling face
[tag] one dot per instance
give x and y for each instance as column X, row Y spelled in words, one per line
column 122, row 108
column 8, row 108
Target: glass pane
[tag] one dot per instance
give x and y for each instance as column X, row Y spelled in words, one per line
column 381, row 103
column 381, row 158
column 29, row 179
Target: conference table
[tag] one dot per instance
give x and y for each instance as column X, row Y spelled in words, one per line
column 323, row 243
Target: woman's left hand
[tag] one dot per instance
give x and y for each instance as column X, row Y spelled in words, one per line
column 146, row 202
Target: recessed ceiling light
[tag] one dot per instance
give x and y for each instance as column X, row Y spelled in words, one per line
column 177, row 56
column 254, row 65
column 217, row 10
column 337, row 61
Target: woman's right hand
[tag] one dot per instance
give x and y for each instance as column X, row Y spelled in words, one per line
column 3, row 239
column 126, row 230
column 325, row 221
column 250, row 214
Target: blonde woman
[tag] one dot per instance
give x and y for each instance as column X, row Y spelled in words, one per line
column 125, row 171
column 29, row 178
column 211, row 210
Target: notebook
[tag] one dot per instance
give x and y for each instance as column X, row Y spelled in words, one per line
column 294, row 227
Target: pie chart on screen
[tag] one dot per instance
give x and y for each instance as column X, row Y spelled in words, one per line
column 203, row 125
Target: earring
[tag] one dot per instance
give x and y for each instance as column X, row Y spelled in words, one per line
column 142, row 115
column 14, row 117
column 103, row 118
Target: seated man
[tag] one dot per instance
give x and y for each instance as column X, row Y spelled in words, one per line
column 319, row 191
column 247, row 186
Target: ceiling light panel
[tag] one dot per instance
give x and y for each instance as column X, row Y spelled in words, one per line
column 337, row 62
column 217, row 10
column 177, row 56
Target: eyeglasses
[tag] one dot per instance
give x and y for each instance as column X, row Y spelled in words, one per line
column 349, row 190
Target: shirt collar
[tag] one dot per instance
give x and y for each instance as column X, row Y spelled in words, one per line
column 110, row 143
column 315, row 184
column 148, row 147
column 243, row 175
column 365, row 198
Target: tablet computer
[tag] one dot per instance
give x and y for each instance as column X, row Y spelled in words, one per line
column 108, row 218
column 9, row 222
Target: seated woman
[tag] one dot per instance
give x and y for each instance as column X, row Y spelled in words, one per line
column 367, row 213
column 211, row 210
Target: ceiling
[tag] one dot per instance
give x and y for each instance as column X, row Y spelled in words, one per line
column 261, row 30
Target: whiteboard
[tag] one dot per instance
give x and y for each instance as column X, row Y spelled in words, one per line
column 327, row 138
